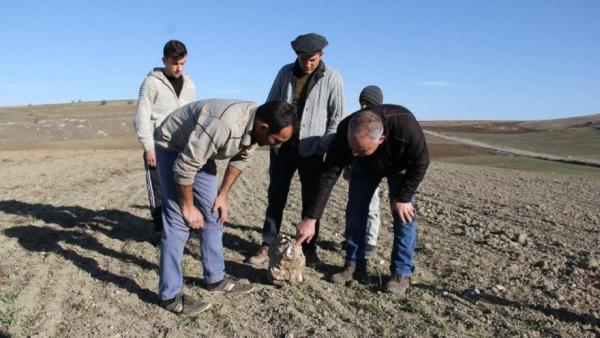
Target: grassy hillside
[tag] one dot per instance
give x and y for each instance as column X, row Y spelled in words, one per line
column 581, row 142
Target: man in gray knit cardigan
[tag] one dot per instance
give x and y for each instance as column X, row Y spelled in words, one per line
column 163, row 91
column 318, row 93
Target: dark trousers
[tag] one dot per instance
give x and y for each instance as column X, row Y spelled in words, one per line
column 283, row 164
column 153, row 188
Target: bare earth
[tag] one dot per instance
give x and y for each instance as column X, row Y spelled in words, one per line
column 501, row 253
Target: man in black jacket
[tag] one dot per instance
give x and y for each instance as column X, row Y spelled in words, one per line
column 384, row 141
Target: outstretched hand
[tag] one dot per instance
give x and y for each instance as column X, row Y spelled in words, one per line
column 305, row 230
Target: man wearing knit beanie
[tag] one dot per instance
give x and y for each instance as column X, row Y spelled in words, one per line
column 370, row 96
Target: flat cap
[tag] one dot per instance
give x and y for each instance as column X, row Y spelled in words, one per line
column 309, row 43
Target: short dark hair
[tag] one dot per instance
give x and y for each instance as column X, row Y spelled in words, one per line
column 174, row 49
column 277, row 114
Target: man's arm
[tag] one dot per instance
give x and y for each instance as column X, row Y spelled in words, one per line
column 335, row 111
column 191, row 215
column 220, row 205
column 402, row 205
column 275, row 92
column 203, row 143
column 144, row 128
column 418, row 158
column 338, row 156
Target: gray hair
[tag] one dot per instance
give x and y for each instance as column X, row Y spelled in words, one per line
column 368, row 122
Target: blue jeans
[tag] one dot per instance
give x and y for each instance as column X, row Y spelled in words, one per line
column 362, row 187
column 175, row 233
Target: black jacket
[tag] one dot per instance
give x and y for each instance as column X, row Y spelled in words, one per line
column 404, row 148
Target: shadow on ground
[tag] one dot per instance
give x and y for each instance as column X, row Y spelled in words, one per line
column 74, row 225
column 561, row 314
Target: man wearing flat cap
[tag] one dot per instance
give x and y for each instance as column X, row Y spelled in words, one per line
column 317, row 91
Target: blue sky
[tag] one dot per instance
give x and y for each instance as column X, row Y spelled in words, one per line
column 441, row 59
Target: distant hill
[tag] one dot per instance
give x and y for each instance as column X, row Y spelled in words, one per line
column 564, row 123
column 511, row 127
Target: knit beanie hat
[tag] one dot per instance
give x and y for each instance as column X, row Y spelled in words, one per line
column 371, row 95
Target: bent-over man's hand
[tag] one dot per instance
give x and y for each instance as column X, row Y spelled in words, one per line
column 405, row 211
column 305, row 230
column 221, row 207
column 192, row 217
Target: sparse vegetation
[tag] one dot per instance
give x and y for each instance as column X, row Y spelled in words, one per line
column 528, row 164
column 79, row 257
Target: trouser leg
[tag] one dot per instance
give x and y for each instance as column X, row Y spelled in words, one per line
column 309, row 169
column 405, row 234
column 211, row 235
column 282, row 166
column 362, row 187
column 373, row 221
column 154, row 198
column 175, row 233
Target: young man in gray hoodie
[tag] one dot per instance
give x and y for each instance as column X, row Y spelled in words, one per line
column 164, row 89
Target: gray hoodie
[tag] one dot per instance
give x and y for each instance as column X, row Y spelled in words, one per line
column 156, row 101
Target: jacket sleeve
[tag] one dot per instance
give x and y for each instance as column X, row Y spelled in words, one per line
column 142, row 122
column 205, row 140
column 276, row 88
column 418, row 157
column 338, row 156
column 335, row 110
column 240, row 161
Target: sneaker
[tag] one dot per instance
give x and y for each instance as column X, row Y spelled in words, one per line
column 349, row 273
column 184, row 304
column 261, row 256
column 230, row 285
column 397, row 285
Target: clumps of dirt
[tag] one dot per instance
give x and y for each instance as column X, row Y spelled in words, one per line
column 286, row 261
column 3, row 273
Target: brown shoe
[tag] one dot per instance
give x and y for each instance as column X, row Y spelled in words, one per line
column 346, row 275
column 261, row 256
column 397, row 285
